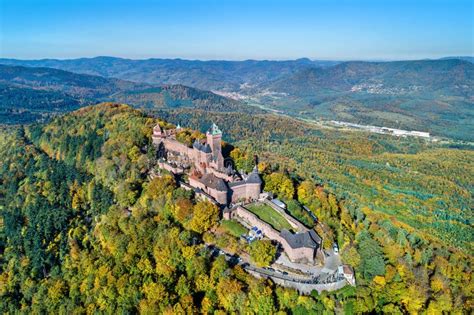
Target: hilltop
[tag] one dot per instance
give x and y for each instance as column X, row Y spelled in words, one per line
column 84, row 226
column 426, row 95
column 452, row 77
column 405, row 178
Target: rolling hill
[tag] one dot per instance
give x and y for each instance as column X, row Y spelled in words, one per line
column 78, row 85
column 426, row 95
column 28, row 94
column 84, row 228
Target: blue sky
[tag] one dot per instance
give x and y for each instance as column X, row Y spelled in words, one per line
column 226, row 29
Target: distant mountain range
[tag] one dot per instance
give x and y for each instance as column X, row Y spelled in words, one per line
column 206, row 75
column 78, row 85
column 425, row 95
column 465, row 58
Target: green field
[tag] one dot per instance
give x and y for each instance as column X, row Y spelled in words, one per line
column 272, row 217
column 233, row 227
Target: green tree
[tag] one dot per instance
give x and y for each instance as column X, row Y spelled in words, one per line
column 280, row 184
column 351, row 256
column 372, row 260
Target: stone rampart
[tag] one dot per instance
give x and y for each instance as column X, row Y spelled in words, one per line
column 170, row 168
column 219, row 174
column 302, row 254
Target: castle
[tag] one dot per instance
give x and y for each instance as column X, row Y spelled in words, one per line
column 204, row 166
column 203, row 162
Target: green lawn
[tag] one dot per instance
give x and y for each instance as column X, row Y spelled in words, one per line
column 269, row 215
column 233, row 227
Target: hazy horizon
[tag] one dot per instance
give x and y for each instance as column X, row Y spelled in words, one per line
column 236, row 60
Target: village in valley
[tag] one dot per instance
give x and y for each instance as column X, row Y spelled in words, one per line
column 251, row 214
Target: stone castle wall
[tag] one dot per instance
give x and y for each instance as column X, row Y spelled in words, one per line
column 253, row 220
column 220, row 196
column 196, row 156
column 239, row 193
column 304, row 288
column 170, row 168
column 195, row 183
column 204, row 163
column 219, row 174
column 303, row 254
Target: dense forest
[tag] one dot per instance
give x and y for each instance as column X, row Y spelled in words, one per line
column 84, row 229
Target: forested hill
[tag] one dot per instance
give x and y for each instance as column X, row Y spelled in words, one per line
column 300, row 76
column 425, row 95
column 28, row 94
column 177, row 96
column 425, row 185
column 207, row 75
column 84, row 229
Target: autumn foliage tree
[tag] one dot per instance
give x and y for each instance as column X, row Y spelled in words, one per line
column 262, row 252
column 280, row 184
column 205, row 215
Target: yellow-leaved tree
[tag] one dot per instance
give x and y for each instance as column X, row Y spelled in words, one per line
column 205, row 215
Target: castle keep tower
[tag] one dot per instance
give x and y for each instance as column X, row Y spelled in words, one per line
column 214, row 138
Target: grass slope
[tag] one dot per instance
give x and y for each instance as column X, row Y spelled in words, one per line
column 269, row 215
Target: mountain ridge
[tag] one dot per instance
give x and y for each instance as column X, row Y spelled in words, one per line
column 208, row 75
